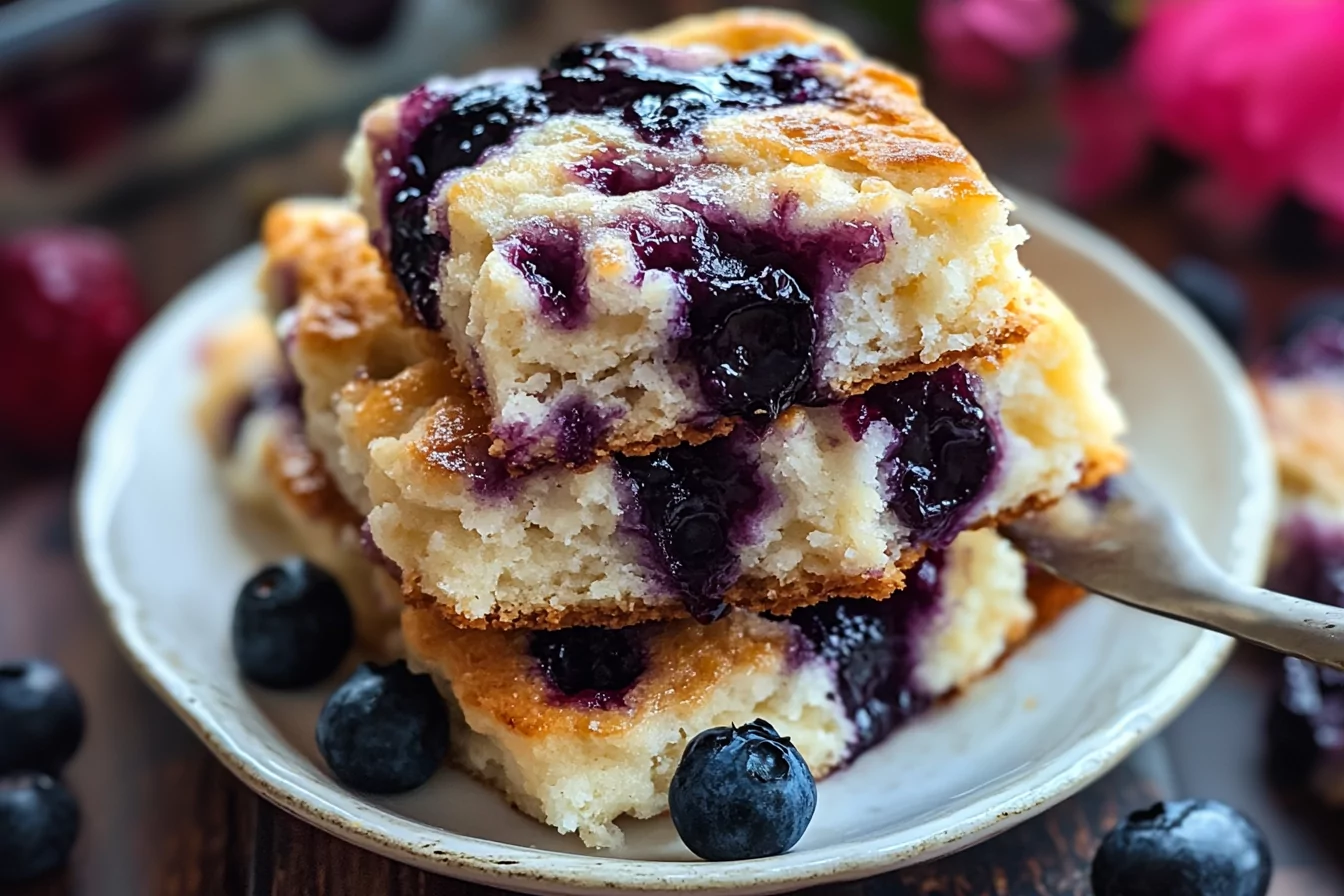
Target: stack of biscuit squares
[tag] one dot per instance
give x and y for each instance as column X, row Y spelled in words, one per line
column 679, row 383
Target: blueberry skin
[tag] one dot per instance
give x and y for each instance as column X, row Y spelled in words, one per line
column 292, row 625
column 41, row 716
column 39, row 821
column 741, row 793
column 1183, row 848
column 385, row 730
column 1326, row 305
column 1216, row 294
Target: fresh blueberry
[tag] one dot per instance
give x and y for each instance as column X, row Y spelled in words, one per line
column 1312, row 311
column 741, row 793
column 385, row 730
column 39, row 821
column 1185, row 848
column 593, row 666
column 292, row 625
column 1215, row 293
column 41, row 716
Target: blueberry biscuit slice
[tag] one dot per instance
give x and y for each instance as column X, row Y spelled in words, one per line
column 582, row 726
column 658, row 236
column 820, row 501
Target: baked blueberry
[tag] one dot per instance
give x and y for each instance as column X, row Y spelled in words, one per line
column 592, row 666
column 741, row 793
column 384, row 730
column 871, row 647
column 292, row 625
column 945, row 451
column 41, row 717
column 690, row 504
column 1183, row 848
column 39, row 821
column 756, row 356
column 1215, row 293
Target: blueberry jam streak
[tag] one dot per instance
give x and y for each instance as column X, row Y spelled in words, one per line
column 550, row 258
column 944, row 453
column 655, row 91
column 873, row 646
column 590, row 667
column 694, row 506
column 753, row 291
column 572, row 430
column 613, row 174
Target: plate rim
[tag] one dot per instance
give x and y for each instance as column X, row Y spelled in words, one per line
column 103, row 463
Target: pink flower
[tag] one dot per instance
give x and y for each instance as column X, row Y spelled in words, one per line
column 1109, row 135
column 1254, row 89
column 980, row 44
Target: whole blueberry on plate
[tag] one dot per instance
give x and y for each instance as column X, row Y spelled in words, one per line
column 41, row 717
column 385, row 730
column 292, row 625
column 39, row 821
column 1215, row 293
column 741, row 793
column 1183, row 848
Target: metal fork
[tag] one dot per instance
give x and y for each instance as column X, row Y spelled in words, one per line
column 1131, row 546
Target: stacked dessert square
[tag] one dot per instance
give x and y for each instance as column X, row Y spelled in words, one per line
column 679, row 383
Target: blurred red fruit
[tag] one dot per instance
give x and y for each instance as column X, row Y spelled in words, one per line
column 69, row 303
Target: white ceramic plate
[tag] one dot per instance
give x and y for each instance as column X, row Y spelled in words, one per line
column 166, row 556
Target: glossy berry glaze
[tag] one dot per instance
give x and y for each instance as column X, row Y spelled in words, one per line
column 662, row 94
column 944, row 453
column 873, row 647
column 692, row 506
column 589, row 667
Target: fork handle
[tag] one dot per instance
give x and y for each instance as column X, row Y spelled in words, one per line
column 1275, row 621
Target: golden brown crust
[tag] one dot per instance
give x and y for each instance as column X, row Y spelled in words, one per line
column 493, row 673
column 296, row 471
column 748, row 594
column 698, row 434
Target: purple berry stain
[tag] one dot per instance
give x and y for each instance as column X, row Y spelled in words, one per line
column 944, row 453
column 873, row 647
column 664, row 95
column 693, row 506
column 613, row 174
column 550, row 258
column 589, row 667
